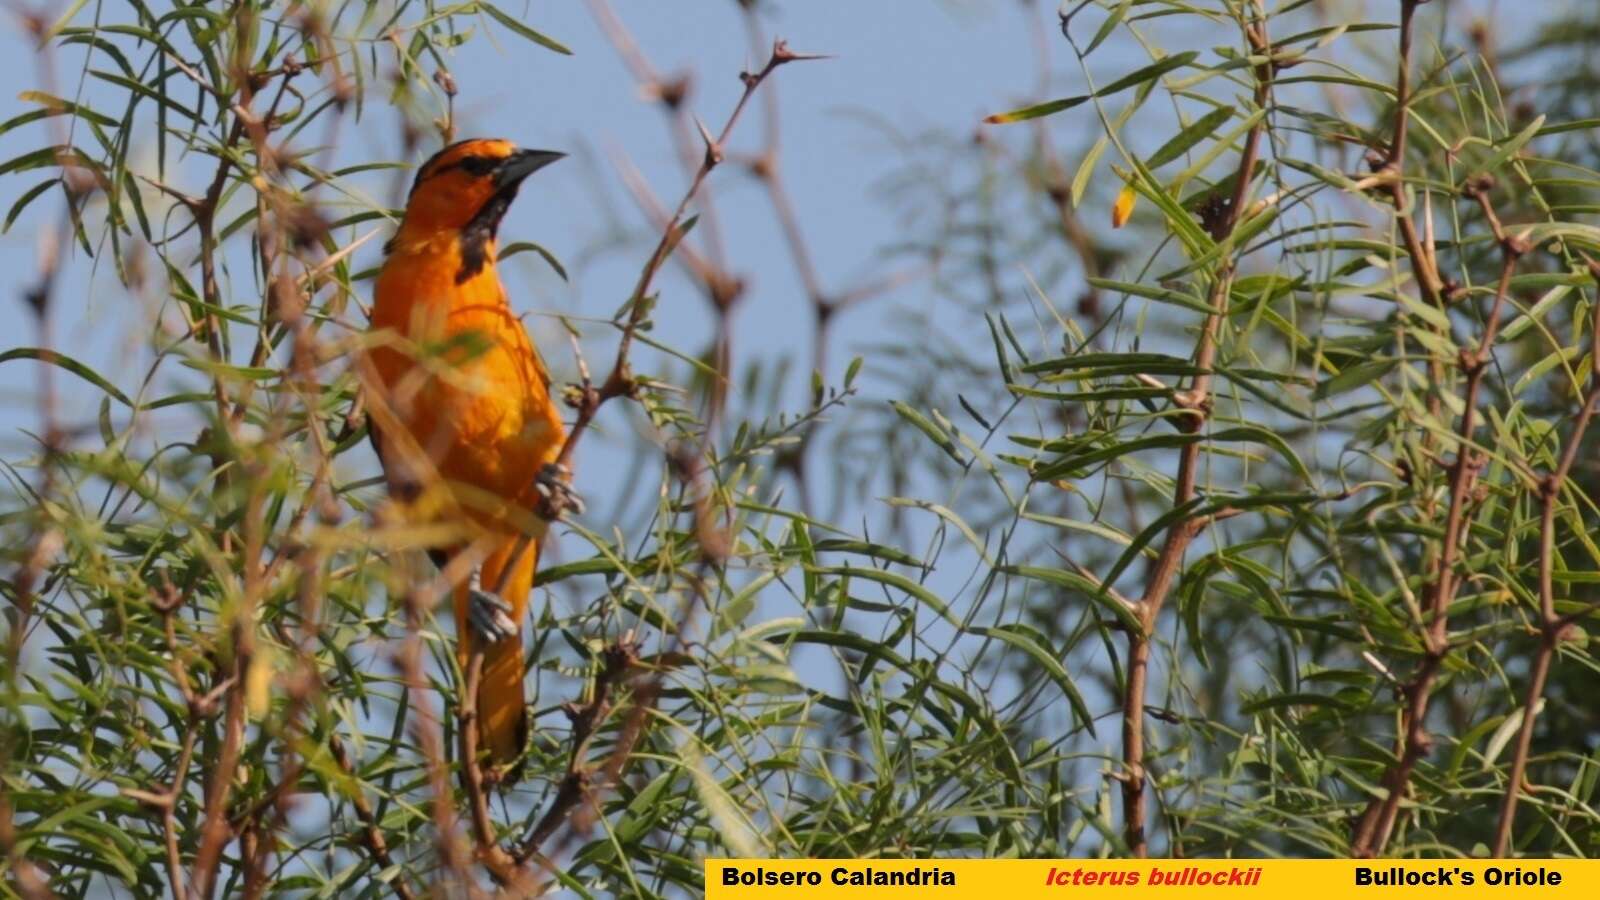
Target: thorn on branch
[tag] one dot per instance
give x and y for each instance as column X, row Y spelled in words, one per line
column 713, row 148
column 782, row 54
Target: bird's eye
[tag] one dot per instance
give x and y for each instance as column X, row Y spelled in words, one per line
column 479, row 165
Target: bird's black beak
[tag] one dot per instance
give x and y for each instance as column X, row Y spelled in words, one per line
column 521, row 164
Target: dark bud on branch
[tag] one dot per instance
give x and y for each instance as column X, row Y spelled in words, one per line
column 1478, row 185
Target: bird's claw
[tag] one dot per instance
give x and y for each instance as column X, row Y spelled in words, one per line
column 489, row 616
column 556, row 494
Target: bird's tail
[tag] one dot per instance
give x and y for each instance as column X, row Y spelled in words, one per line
column 502, row 712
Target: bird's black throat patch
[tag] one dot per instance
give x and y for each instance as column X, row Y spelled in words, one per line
column 478, row 233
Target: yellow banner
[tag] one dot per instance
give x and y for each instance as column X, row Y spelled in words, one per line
column 1175, row 879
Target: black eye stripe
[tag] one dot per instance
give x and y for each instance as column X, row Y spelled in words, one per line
column 474, row 165
column 479, row 165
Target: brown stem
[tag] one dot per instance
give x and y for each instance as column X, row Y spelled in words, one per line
column 1377, row 820
column 215, row 830
column 619, row 659
column 371, row 835
column 501, row 866
column 1197, row 402
column 425, row 731
column 167, row 801
column 1551, row 626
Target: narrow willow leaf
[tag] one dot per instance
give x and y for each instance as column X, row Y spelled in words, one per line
column 1150, row 292
column 28, row 196
column 1108, row 26
column 1149, row 73
column 894, row 580
column 57, row 106
column 1354, row 376
column 1140, row 76
column 1509, row 149
column 1080, row 180
column 524, row 246
column 934, row 433
column 1198, row 130
column 1535, row 313
column 1032, row 644
column 1507, row 730
column 1291, row 701
column 1084, row 586
column 512, row 23
column 1002, row 361
column 69, row 364
column 1037, row 111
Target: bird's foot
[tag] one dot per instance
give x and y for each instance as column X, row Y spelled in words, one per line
column 556, row 494
column 488, row 615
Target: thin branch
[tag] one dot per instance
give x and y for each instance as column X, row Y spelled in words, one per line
column 493, row 857
column 1552, row 627
column 371, row 834
column 619, row 659
column 1377, row 821
column 621, row 382
column 1164, row 571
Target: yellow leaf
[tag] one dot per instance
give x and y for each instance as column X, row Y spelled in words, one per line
column 1123, row 208
column 258, row 682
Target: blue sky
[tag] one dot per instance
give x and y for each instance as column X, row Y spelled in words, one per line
column 939, row 65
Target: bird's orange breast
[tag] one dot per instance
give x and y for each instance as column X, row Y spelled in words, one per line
column 463, row 379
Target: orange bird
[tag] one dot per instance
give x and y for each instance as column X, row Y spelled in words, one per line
column 460, row 410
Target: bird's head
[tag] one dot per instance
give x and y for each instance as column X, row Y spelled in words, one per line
column 470, row 185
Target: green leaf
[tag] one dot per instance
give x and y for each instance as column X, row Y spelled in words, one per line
column 1148, row 73
column 56, row 106
column 1291, row 701
column 927, row 427
column 853, row 370
column 1108, row 26
column 891, row 579
column 1535, row 313
column 1158, row 294
column 1037, row 111
column 1354, row 376
column 1032, row 643
column 523, row 30
column 1508, row 149
column 69, row 364
column 27, row 197
column 1139, row 76
column 1073, row 581
column 1197, row 131
column 1080, row 180
column 524, row 246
